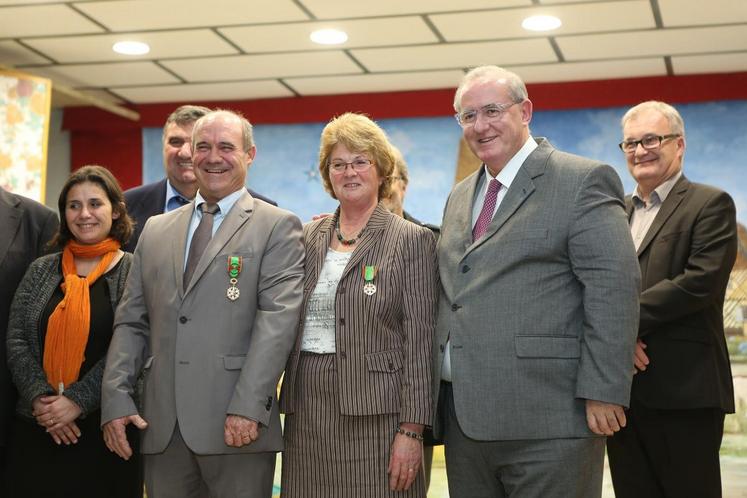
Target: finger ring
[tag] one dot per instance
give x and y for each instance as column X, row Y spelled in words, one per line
column 51, row 421
column 411, row 470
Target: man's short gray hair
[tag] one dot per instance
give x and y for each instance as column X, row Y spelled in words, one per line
column 676, row 124
column 184, row 115
column 246, row 126
column 517, row 90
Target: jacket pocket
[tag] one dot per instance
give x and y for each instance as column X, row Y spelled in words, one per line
column 234, row 362
column 384, row 361
column 547, row 346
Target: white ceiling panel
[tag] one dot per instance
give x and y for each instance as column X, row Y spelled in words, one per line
column 455, row 55
column 263, row 66
column 104, row 75
column 362, row 83
column 654, row 42
column 550, row 2
column 39, row 20
column 163, row 44
column 582, row 71
column 13, row 53
column 501, row 24
column 60, row 99
column 340, row 9
column 361, row 33
column 711, row 63
column 698, row 12
column 27, row 2
column 135, row 15
column 244, row 90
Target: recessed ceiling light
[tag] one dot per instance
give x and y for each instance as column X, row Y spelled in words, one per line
column 131, row 48
column 541, row 23
column 329, row 36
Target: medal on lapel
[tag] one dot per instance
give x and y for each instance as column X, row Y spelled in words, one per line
column 369, row 273
column 234, row 269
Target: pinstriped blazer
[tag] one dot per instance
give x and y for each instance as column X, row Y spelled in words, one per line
column 383, row 342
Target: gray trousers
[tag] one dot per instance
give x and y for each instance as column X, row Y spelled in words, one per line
column 180, row 473
column 541, row 468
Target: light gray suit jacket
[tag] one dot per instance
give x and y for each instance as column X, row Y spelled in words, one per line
column 203, row 355
column 543, row 310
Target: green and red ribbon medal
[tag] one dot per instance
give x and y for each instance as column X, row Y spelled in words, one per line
column 234, row 269
column 369, row 273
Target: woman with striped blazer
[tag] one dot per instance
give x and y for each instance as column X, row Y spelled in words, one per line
column 356, row 391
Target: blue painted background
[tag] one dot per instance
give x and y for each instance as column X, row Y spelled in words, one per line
column 285, row 168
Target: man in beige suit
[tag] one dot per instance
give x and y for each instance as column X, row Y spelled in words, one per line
column 209, row 315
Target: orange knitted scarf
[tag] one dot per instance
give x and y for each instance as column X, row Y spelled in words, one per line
column 69, row 323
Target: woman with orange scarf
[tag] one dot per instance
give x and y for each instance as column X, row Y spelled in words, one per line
column 58, row 334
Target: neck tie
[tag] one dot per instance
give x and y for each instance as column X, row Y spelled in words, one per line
column 200, row 239
column 486, row 215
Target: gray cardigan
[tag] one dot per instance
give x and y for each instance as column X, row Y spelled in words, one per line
column 24, row 350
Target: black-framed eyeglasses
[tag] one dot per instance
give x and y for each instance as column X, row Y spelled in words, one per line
column 648, row 142
column 359, row 165
column 490, row 112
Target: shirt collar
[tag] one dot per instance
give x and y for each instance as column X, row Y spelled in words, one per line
column 225, row 204
column 508, row 173
column 659, row 194
column 171, row 192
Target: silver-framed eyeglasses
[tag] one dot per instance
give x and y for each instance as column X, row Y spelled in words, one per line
column 359, row 165
column 490, row 113
column 649, row 142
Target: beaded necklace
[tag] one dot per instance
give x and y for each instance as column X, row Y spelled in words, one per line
column 343, row 240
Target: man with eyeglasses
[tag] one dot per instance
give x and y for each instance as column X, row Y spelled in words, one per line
column 538, row 311
column 686, row 237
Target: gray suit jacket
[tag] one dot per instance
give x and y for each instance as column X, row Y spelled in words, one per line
column 543, row 310
column 203, row 355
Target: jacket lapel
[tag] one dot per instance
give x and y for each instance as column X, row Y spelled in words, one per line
column 179, row 242
column 8, row 223
column 234, row 220
column 667, row 208
column 464, row 200
column 322, row 239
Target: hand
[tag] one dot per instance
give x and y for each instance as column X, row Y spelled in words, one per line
column 54, row 412
column 321, row 216
column 405, row 460
column 67, row 434
column 115, row 435
column 640, row 359
column 603, row 418
column 240, row 431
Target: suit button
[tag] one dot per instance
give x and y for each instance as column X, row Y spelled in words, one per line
column 342, row 322
column 391, row 365
column 465, row 269
column 182, row 362
column 269, row 404
column 343, row 355
column 341, row 290
column 441, row 347
column 182, row 319
column 455, row 307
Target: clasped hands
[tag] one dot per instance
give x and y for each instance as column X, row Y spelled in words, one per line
column 57, row 414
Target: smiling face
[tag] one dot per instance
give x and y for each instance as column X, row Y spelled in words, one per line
column 219, row 158
column 495, row 142
column 651, row 168
column 88, row 213
column 352, row 187
column 177, row 158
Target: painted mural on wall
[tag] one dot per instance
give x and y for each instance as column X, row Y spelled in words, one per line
column 24, row 126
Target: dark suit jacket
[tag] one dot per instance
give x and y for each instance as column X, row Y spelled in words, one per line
column 433, row 228
column 26, row 227
column 382, row 341
column 686, row 258
column 148, row 200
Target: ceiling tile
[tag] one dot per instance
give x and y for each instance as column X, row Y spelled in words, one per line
column 243, row 90
column 43, row 20
column 389, row 82
column 339, row 9
column 695, row 12
column 12, row 53
column 103, row 75
column 598, row 70
column 60, row 99
column 361, row 33
column 134, row 15
column 455, row 55
column 569, row 1
column 263, row 66
column 654, row 42
column 163, row 44
column 502, row 24
column 711, row 63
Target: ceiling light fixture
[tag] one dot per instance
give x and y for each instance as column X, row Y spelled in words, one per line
column 329, row 36
column 541, row 23
column 131, row 48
